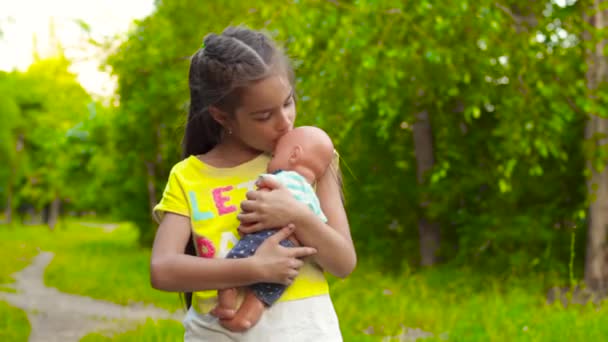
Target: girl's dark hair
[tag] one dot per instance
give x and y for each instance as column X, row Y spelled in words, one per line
column 227, row 64
column 219, row 71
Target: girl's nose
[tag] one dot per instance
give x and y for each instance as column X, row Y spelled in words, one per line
column 284, row 122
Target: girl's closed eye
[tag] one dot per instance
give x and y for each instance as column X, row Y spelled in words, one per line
column 263, row 116
column 289, row 102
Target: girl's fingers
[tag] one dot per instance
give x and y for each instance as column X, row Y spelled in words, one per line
column 253, row 195
column 248, row 206
column 292, row 274
column 296, row 263
column 300, row 252
column 250, row 228
column 248, row 217
column 269, row 182
column 282, row 234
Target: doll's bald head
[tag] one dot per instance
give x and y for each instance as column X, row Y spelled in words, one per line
column 307, row 150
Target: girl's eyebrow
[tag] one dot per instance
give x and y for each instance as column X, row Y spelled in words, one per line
column 268, row 110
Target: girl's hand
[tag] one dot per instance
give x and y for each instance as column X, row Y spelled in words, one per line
column 278, row 264
column 268, row 209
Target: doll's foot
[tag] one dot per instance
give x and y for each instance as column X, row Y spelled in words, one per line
column 223, row 313
column 226, row 305
column 236, row 325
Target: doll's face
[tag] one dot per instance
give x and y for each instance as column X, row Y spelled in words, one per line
column 306, row 150
column 281, row 156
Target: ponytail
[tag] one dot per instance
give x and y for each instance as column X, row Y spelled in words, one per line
column 202, row 133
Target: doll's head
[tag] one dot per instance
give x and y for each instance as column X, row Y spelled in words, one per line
column 307, row 150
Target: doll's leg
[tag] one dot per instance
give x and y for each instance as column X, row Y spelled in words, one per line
column 227, row 298
column 248, row 314
column 294, row 241
column 258, row 296
column 269, row 293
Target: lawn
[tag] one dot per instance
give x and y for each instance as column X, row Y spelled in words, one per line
column 443, row 304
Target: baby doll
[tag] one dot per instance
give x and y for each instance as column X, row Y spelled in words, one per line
column 300, row 157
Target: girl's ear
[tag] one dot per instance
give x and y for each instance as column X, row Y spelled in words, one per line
column 218, row 115
column 295, row 155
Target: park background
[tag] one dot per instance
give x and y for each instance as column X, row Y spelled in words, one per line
column 472, row 137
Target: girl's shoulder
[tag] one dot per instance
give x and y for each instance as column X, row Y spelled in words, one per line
column 185, row 167
column 193, row 169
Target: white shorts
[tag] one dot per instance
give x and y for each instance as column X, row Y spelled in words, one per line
column 309, row 319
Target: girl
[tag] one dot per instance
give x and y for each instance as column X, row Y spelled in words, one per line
column 241, row 103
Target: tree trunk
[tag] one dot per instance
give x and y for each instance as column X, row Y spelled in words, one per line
column 54, row 213
column 596, row 258
column 151, row 167
column 423, row 147
column 8, row 212
column 45, row 213
column 151, row 175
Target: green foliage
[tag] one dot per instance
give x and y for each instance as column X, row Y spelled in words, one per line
column 38, row 107
column 56, row 103
column 502, row 82
column 10, row 115
column 506, row 113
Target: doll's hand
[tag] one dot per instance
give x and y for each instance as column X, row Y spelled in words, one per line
column 279, row 264
column 268, row 209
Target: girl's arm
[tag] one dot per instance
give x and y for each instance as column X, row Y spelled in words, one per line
column 172, row 270
column 335, row 250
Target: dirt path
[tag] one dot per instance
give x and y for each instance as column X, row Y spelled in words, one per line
column 58, row 316
column 108, row 227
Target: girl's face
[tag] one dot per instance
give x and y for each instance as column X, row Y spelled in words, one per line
column 267, row 111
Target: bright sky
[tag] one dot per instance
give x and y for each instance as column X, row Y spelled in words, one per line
column 20, row 20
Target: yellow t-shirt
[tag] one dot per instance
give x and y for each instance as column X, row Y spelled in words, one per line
column 211, row 198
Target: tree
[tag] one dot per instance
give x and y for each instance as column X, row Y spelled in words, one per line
column 10, row 140
column 423, row 146
column 596, row 130
column 500, row 83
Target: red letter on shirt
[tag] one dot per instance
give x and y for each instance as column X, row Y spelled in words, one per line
column 221, row 200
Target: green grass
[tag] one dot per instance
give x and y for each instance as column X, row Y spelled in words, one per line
column 453, row 304
column 14, row 325
column 16, row 253
column 150, row 331
column 108, row 266
column 460, row 305
column 90, row 262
